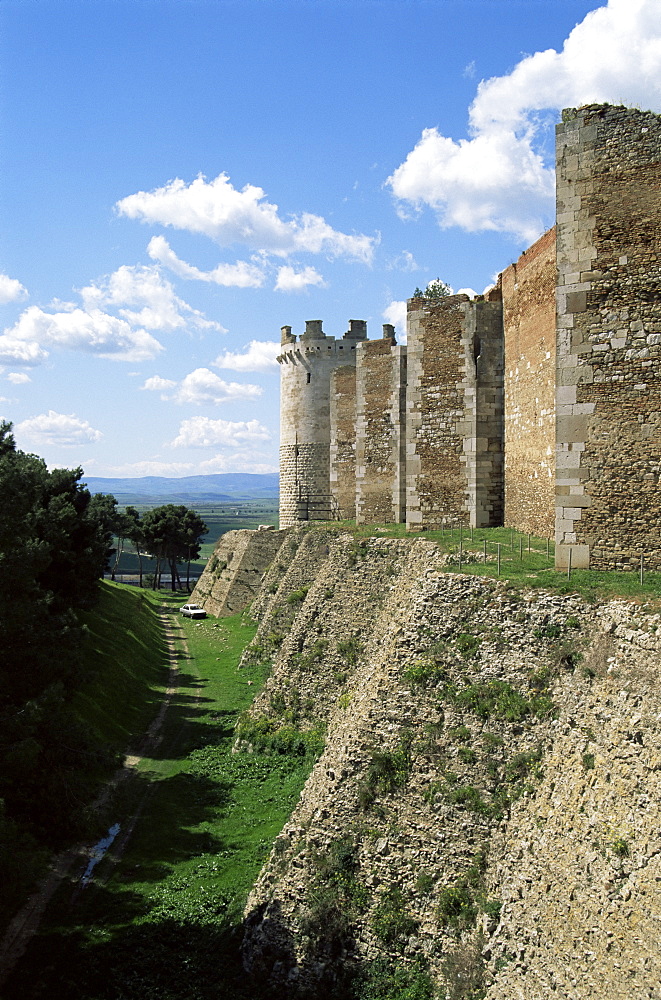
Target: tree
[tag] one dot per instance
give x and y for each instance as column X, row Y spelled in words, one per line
column 172, row 534
column 135, row 533
column 54, row 545
column 435, row 291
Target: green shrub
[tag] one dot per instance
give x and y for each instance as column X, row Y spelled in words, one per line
column 588, row 761
column 387, row 771
column 390, row 920
column 381, row 980
column 297, row 596
column 500, row 700
column 456, row 906
column 424, row 673
column 460, row 734
column 468, row 644
column 350, row 650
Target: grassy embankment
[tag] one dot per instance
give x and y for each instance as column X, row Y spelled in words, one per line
column 523, row 561
column 162, row 922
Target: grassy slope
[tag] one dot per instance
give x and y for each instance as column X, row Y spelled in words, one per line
column 163, row 923
column 127, row 663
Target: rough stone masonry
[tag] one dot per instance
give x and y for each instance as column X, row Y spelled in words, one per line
column 537, row 406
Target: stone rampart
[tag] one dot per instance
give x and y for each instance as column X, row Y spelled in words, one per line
column 233, row 575
column 528, row 289
column 609, row 337
column 380, row 430
column 544, row 803
column 343, row 440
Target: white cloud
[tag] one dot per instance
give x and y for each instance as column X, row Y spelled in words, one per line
column 239, row 275
column 144, row 287
column 158, row 384
column 236, row 463
column 11, row 290
column 259, row 356
column 219, row 210
column 470, row 292
column 202, row 386
column 203, row 432
column 498, row 179
column 395, row 313
column 93, row 331
column 13, row 351
column 290, row 280
column 57, row 429
column 18, row 378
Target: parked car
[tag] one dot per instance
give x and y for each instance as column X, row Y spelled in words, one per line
column 193, row 611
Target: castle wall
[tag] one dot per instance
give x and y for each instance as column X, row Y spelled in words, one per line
column 528, row 289
column 483, row 411
column 343, row 440
column 305, row 429
column 454, row 413
column 435, row 474
column 609, row 337
column 380, row 437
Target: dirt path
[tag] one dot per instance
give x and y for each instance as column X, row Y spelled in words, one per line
column 28, row 919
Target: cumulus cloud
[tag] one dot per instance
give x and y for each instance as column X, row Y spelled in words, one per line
column 14, row 350
column 18, row 378
column 227, row 215
column 395, row 313
column 203, row 432
column 202, row 386
column 11, row 290
column 145, row 287
column 239, row 275
column 498, row 179
column 93, row 331
column 289, row 280
column 57, row 429
column 158, row 384
column 259, row 356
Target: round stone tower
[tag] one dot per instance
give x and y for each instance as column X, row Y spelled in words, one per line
column 305, row 426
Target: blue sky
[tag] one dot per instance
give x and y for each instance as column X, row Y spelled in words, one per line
column 180, row 178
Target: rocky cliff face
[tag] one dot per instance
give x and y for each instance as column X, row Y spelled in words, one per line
column 488, row 800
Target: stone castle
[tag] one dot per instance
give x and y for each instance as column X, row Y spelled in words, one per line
column 536, row 406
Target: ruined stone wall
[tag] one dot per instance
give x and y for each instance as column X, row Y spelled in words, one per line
column 550, row 809
column 528, row 289
column 233, row 575
column 609, row 337
column 436, row 489
column 343, row 440
column 380, row 431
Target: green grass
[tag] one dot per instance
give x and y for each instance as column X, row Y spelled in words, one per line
column 519, row 566
column 126, row 662
column 164, row 922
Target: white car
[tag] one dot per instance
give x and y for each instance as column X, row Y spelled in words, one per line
column 193, row 611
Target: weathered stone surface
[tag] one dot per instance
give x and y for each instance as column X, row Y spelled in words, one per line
column 609, row 357
column 528, row 289
column 233, row 574
column 574, row 861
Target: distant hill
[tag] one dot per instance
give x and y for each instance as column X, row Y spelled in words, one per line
column 228, row 486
